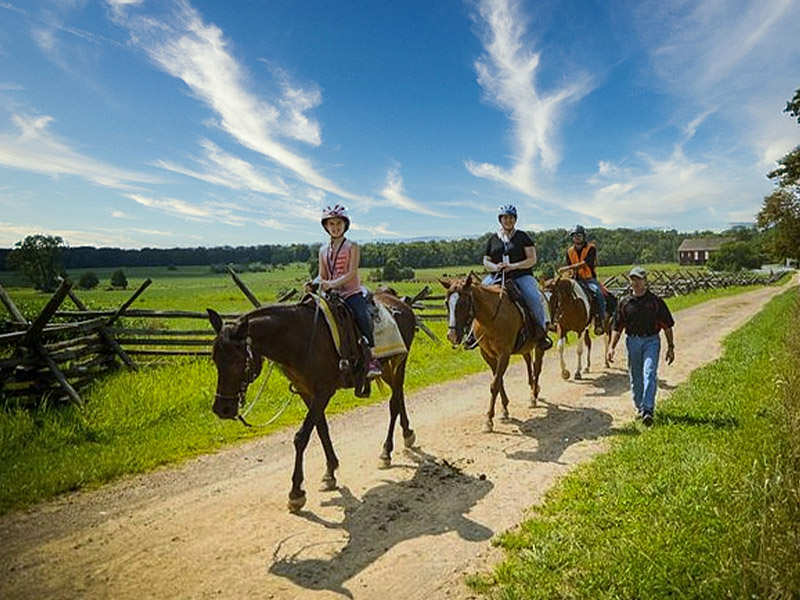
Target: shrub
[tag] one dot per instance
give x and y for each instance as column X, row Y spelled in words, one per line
column 118, row 279
column 88, row 281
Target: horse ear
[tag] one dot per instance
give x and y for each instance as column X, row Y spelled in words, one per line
column 242, row 328
column 468, row 280
column 446, row 283
column 216, row 320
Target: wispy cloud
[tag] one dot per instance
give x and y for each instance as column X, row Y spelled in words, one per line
column 197, row 53
column 11, row 233
column 507, row 73
column 187, row 210
column 222, row 168
column 35, row 149
column 656, row 192
column 394, row 193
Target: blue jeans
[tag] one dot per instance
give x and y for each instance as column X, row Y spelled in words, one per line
column 358, row 304
column 594, row 285
column 529, row 289
column 643, row 370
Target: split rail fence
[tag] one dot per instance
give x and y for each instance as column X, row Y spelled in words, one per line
column 43, row 358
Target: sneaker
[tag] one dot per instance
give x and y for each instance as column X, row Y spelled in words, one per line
column 647, row 419
column 374, row 370
column 545, row 343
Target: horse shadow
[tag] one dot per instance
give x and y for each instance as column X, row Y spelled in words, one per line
column 559, row 428
column 615, row 383
column 433, row 502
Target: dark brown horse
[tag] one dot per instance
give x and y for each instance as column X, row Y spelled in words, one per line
column 297, row 339
column 497, row 323
column 571, row 310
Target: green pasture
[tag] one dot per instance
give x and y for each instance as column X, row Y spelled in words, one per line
column 705, row 504
column 161, row 414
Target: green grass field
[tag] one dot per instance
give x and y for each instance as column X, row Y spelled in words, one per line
column 160, row 415
column 706, row 504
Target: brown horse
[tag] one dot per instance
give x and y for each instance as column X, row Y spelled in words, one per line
column 497, row 322
column 571, row 310
column 297, row 339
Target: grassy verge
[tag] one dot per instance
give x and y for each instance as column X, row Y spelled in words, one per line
column 704, row 505
column 137, row 421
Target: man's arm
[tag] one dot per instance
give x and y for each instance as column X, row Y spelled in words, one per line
column 670, row 355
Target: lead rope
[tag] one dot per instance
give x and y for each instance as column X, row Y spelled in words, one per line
column 243, row 416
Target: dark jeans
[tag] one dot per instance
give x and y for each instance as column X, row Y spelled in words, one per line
column 358, row 304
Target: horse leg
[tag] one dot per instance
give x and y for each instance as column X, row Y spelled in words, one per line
column 331, row 461
column 606, row 344
column 562, row 341
column 579, row 354
column 532, row 384
column 497, row 384
column 537, row 370
column 395, row 378
column 588, row 339
column 297, row 496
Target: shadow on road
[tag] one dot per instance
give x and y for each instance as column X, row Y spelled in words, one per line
column 560, row 427
column 433, row 502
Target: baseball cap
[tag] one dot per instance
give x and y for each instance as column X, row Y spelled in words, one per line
column 637, row 272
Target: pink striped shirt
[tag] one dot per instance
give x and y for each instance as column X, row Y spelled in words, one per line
column 335, row 263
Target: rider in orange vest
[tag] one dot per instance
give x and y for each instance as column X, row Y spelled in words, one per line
column 582, row 260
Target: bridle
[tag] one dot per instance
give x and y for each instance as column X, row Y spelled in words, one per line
column 470, row 317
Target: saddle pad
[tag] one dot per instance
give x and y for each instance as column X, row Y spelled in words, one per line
column 388, row 340
column 333, row 326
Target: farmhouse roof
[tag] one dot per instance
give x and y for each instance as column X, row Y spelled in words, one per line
column 692, row 244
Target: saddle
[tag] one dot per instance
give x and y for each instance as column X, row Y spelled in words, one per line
column 530, row 330
column 611, row 301
column 351, row 345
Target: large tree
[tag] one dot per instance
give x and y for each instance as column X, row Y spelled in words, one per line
column 779, row 216
column 37, row 257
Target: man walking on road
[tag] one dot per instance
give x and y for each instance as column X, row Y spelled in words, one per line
column 642, row 315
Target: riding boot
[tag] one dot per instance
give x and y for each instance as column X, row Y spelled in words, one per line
column 598, row 326
column 539, row 334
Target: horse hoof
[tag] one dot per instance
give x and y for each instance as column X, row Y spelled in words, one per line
column 505, row 418
column 532, row 402
column 328, row 484
column 564, row 374
column 578, row 376
column 410, row 439
column 295, row 504
column 384, row 462
column 488, row 427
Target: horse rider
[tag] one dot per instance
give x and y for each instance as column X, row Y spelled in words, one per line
column 582, row 260
column 511, row 253
column 338, row 271
column 642, row 315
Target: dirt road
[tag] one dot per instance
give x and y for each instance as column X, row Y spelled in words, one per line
column 217, row 527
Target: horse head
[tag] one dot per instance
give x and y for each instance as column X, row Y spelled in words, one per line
column 561, row 293
column 237, row 366
column 460, row 309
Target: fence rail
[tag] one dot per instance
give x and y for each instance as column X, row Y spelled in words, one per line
column 39, row 358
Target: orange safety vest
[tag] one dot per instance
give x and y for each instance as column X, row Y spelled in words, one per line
column 583, row 272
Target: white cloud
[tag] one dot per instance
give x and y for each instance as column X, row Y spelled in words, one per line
column 197, row 53
column 187, row 210
column 35, row 149
column 11, row 233
column 222, row 168
column 394, row 193
column 507, row 73
column 118, row 214
column 658, row 192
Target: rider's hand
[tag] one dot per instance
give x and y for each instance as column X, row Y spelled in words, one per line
column 610, row 355
column 670, row 357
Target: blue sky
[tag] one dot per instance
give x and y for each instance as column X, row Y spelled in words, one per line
column 135, row 123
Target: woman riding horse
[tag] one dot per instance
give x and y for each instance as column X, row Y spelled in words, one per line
column 487, row 312
column 298, row 339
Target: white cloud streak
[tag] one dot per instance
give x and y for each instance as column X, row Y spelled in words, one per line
column 507, row 73
column 193, row 212
column 395, row 194
column 198, row 54
column 35, row 149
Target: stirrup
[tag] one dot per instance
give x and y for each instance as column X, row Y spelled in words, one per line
column 545, row 343
column 374, row 370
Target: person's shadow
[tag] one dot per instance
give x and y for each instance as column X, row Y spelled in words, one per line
column 432, row 502
column 559, row 428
